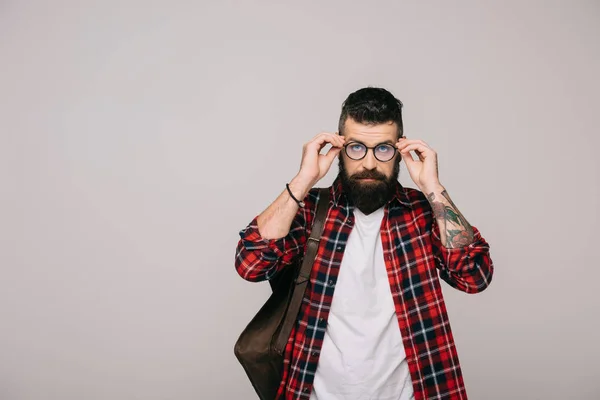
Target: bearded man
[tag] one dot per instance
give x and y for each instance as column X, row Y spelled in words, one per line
column 373, row 322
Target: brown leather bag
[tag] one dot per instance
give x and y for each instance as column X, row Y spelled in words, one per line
column 261, row 346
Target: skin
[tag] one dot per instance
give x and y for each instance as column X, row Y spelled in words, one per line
column 455, row 231
column 275, row 221
column 370, row 135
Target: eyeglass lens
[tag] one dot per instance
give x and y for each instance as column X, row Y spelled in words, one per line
column 383, row 152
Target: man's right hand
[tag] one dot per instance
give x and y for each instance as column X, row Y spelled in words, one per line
column 314, row 165
column 276, row 220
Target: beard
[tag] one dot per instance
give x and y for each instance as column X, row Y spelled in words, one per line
column 368, row 196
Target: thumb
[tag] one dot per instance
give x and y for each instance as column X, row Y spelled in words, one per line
column 407, row 157
column 332, row 154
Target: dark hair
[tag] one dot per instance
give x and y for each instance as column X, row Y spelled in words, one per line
column 372, row 105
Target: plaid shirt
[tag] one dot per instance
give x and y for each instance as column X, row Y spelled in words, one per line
column 415, row 259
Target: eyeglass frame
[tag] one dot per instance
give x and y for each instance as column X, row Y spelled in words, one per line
column 370, row 148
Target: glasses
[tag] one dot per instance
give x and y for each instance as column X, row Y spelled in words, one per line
column 357, row 151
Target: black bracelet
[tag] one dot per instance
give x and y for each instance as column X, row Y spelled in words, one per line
column 300, row 203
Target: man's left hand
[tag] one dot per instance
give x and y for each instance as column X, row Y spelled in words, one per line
column 424, row 170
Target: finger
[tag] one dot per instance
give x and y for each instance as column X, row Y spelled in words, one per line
column 409, row 154
column 402, row 143
column 417, row 148
column 408, row 158
column 323, row 138
column 320, row 136
column 421, row 142
column 332, row 154
column 407, row 142
column 335, row 135
column 325, row 160
column 409, row 147
column 412, row 141
column 340, row 139
column 320, row 141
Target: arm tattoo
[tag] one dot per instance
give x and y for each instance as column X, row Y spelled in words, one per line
column 454, row 228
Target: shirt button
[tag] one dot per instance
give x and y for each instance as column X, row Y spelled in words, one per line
column 314, row 353
column 339, row 247
column 330, row 282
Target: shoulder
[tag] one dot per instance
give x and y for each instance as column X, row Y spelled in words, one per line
column 420, row 208
column 313, row 196
column 306, row 214
column 418, row 201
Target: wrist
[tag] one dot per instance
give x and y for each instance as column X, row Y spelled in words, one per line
column 436, row 189
column 300, row 187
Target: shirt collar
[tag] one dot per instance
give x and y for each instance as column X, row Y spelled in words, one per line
column 339, row 197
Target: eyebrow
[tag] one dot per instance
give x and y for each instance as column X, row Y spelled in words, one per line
column 358, row 141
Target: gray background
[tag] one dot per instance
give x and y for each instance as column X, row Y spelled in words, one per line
column 139, row 137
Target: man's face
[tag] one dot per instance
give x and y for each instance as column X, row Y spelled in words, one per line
column 369, row 183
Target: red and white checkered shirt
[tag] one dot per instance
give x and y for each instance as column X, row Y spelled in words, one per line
column 415, row 259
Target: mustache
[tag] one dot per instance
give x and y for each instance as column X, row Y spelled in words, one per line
column 369, row 175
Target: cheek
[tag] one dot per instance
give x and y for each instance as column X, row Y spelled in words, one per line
column 351, row 169
column 388, row 169
column 350, row 166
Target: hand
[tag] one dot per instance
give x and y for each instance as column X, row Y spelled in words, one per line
column 314, row 165
column 424, row 170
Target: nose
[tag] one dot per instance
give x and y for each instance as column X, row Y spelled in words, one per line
column 369, row 162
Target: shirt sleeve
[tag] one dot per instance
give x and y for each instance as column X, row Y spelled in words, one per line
column 258, row 259
column 469, row 268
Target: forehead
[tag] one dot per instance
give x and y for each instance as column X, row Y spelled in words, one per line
column 370, row 134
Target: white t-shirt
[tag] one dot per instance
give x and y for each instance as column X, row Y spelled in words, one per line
column 362, row 355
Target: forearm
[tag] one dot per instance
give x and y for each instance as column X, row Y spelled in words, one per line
column 275, row 221
column 274, row 238
column 455, row 231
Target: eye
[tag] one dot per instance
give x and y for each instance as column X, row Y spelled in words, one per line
column 356, row 147
column 383, row 148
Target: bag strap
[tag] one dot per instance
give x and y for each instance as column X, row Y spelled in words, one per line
column 312, row 246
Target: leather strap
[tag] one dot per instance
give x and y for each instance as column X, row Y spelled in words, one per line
column 312, row 246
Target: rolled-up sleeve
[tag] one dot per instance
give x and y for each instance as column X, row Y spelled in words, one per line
column 469, row 268
column 258, row 259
